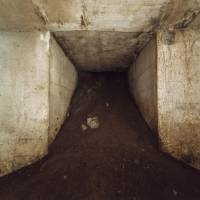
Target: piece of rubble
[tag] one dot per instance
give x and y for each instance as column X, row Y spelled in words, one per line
column 68, row 115
column 93, row 122
column 175, row 192
column 84, row 127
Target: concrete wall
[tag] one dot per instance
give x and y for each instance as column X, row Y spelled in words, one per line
column 19, row 15
column 63, row 79
column 142, row 79
column 179, row 95
column 180, row 13
column 165, row 82
column 24, row 97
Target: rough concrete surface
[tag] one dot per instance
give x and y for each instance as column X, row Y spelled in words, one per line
column 179, row 14
column 165, row 82
column 18, row 15
column 143, row 83
column 25, row 93
column 98, row 51
column 24, row 107
column 117, row 161
column 179, row 95
column 101, row 15
column 116, row 17
column 62, row 83
column 98, row 35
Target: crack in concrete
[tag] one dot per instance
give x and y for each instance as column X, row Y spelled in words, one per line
column 40, row 12
column 85, row 22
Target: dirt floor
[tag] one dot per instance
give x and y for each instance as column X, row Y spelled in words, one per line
column 117, row 161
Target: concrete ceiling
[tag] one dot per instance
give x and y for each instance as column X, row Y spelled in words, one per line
column 101, row 15
column 104, row 15
column 98, row 34
column 98, row 50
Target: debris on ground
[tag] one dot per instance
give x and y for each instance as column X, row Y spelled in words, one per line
column 107, row 104
column 93, row 122
column 84, row 127
column 68, row 114
column 175, row 192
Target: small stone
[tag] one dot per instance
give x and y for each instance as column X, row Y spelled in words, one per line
column 175, row 192
column 84, row 127
column 107, row 104
column 65, row 177
column 93, row 122
column 68, row 115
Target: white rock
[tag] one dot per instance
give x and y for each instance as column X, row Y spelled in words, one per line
column 107, row 104
column 93, row 122
column 84, row 127
column 175, row 192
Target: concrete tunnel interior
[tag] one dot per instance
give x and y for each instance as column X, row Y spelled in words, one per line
column 99, row 99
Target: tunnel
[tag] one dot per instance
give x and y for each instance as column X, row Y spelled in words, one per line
column 99, row 99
